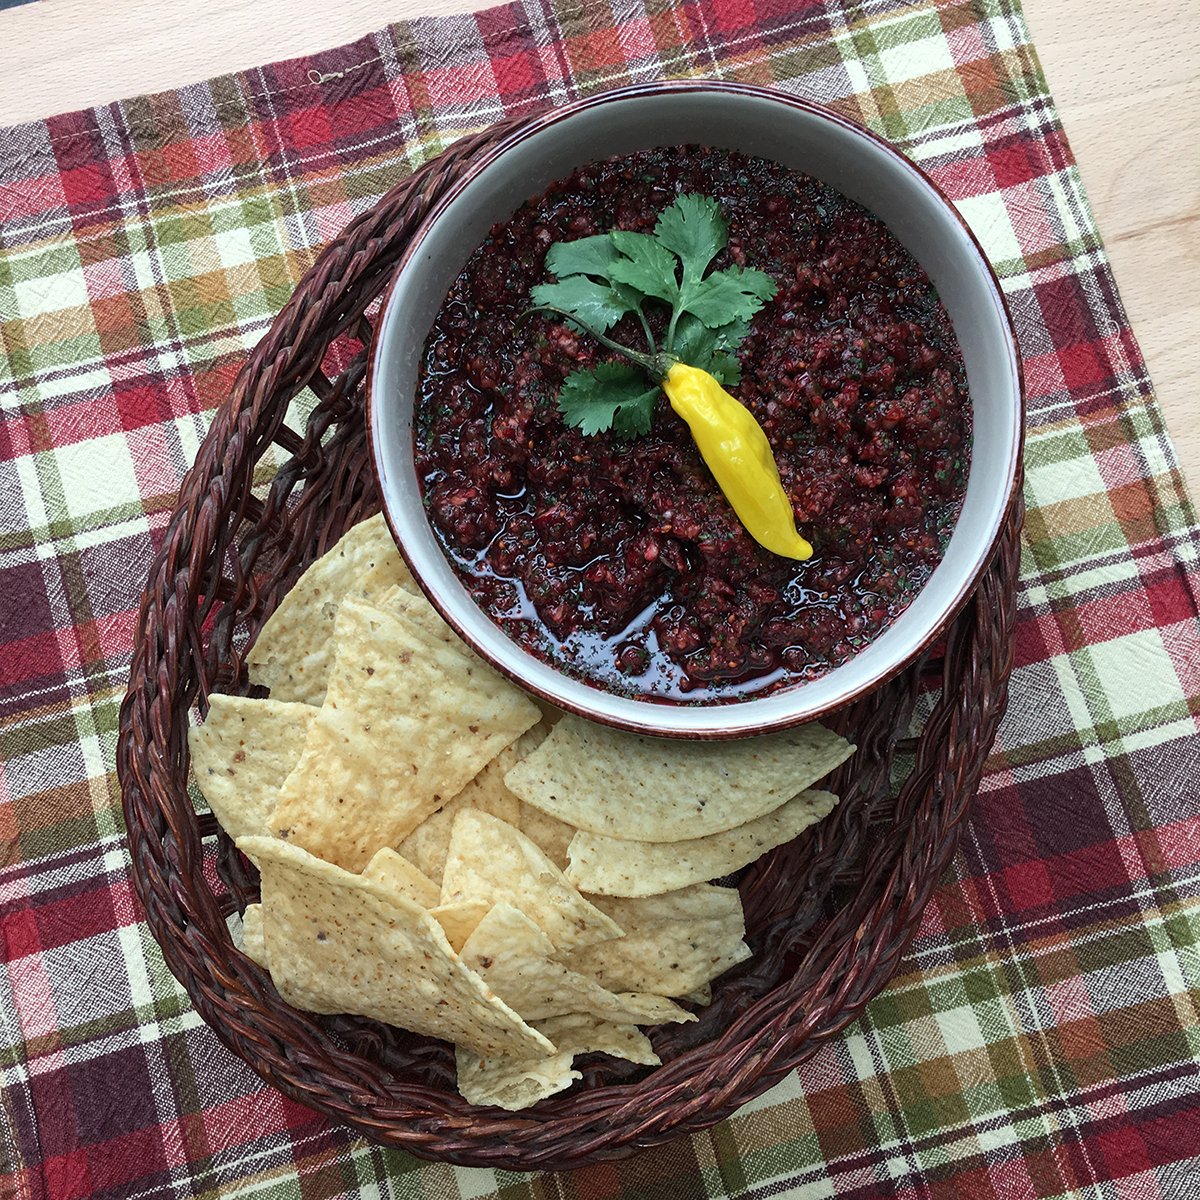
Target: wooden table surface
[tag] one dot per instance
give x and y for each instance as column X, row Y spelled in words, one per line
column 1126, row 77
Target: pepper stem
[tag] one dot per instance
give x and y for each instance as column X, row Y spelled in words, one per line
column 655, row 365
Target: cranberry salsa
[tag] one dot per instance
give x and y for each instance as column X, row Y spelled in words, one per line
column 619, row 560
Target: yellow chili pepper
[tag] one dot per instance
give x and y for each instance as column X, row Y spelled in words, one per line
column 738, row 454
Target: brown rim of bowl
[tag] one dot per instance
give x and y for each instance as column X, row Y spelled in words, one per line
column 543, row 120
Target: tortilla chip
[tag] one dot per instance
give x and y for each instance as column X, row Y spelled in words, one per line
column 339, row 943
column 515, row 958
column 293, row 652
column 397, row 873
column 406, row 723
column 428, row 844
column 458, row 919
column 490, row 860
column 242, row 754
column 385, row 576
column 415, row 606
column 549, row 833
column 701, row 996
column 619, row 868
column 253, row 945
column 514, row 1084
column 673, row 944
column 650, row 790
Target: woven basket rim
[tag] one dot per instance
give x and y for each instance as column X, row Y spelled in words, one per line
column 198, row 578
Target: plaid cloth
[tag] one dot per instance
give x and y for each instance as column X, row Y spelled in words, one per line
column 1042, row 1036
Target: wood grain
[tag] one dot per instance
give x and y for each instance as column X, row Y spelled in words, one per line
column 1127, row 84
column 1125, row 79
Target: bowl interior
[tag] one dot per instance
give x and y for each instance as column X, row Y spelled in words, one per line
column 805, row 139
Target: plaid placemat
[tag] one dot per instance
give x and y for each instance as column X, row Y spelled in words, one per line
column 1042, row 1037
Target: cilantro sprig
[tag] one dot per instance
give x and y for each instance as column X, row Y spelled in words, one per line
column 601, row 279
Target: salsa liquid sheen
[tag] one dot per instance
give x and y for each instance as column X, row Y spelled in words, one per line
column 620, row 561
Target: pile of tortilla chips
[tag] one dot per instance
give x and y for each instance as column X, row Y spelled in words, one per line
column 438, row 853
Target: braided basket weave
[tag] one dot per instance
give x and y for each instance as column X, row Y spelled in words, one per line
column 828, row 916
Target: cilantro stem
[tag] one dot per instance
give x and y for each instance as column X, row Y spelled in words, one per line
column 676, row 311
column 646, row 326
column 655, row 365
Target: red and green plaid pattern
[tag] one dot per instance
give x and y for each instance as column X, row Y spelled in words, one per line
column 1042, row 1038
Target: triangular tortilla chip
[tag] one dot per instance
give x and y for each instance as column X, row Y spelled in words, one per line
column 242, row 754
column 414, row 605
column 515, row 958
column 655, row 790
column 619, row 868
column 490, row 860
column 406, row 723
column 339, row 943
column 396, row 872
column 673, row 944
column 293, row 652
column 547, row 832
column 459, row 918
column 428, row 844
column 253, row 944
column 517, row 1083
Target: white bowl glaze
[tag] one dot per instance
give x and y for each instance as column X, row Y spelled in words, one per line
column 804, row 137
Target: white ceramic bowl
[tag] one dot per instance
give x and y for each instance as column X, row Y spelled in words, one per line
column 805, row 137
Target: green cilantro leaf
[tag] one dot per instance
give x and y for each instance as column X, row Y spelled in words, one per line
column 730, row 337
column 595, row 304
column 607, row 396
column 584, row 256
column 694, row 229
column 734, row 294
column 725, row 369
column 633, row 419
column 709, row 349
column 646, row 266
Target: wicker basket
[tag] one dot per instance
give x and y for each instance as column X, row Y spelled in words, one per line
column 828, row 916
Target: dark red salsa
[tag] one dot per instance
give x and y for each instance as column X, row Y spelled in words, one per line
column 621, row 561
